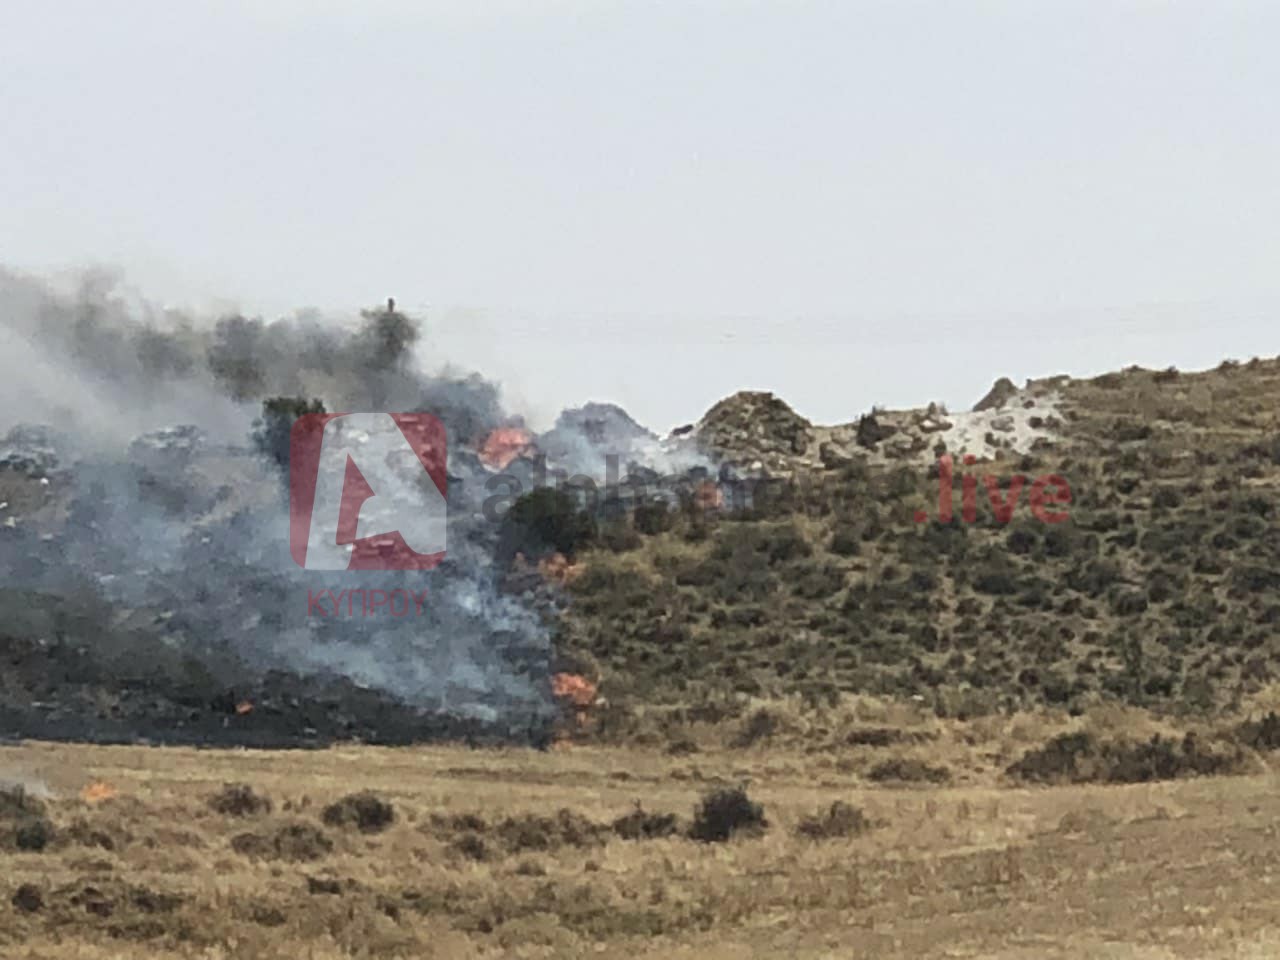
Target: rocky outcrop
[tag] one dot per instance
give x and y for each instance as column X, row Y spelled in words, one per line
column 755, row 428
column 759, row 432
column 32, row 450
column 1001, row 392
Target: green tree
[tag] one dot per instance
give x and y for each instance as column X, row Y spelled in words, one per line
column 272, row 429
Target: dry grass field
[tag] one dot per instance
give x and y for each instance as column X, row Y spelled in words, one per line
column 143, row 852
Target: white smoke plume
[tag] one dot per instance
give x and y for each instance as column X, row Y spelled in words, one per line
column 187, row 530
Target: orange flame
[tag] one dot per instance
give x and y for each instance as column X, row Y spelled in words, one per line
column 98, row 791
column 558, row 568
column 243, row 707
column 574, row 688
column 503, row 445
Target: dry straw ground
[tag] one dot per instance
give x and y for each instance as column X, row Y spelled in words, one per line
column 513, row 853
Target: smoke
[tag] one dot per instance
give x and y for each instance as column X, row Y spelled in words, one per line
column 187, row 529
column 583, row 436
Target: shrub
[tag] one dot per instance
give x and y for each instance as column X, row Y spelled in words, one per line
column 682, row 747
column 292, row 841
column 907, row 770
column 760, row 725
column 885, row 736
column 33, row 835
column 471, row 846
column 24, row 824
column 1094, row 578
column 1255, row 579
column 1127, row 431
column 1128, row 602
column 1022, row 540
column 996, row 583
column 28, row 898
column 846, row 541
column 546, row 520
column 640, row 824
column 1262, row 735
column 273, row 429
column 652, row 517
column 239, row 800
column 619, row 536
column 365, row 811
column 775, row 542
column 1085, row 758
column 535, row 832
column 838, row 820
column 815, row 581
column 725, row 812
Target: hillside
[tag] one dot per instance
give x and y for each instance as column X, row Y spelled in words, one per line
column 833, row 576
column 1159, row 589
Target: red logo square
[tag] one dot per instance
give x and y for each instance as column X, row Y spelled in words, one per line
column 367, row 491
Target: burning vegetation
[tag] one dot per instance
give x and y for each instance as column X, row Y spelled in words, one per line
column 155, row 540
column 503, row 445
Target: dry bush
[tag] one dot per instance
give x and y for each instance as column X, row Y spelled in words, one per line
column 471, row 846
column 1085, row 757
column 476, row 838
column 838, row 820
column 725, row 812
column 365, row 811
column 535, row 832
column 103, row 836
column 641, row 824
column 886, row 736
column 1261, row 735
column 682, row 747
column 24, row 824
column 908, row 770
column 458, row 822
column 292, row 841
column 28, row 898
column 239, row 800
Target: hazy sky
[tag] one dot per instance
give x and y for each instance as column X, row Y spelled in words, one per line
column 659, row 203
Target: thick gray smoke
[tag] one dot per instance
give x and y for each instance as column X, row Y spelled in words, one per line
column 187, row 529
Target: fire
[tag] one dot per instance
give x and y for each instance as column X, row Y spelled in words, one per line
column 98, row 791
column 243, row 707
column 557, row 567
column 573, row 688
column 503, row 445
